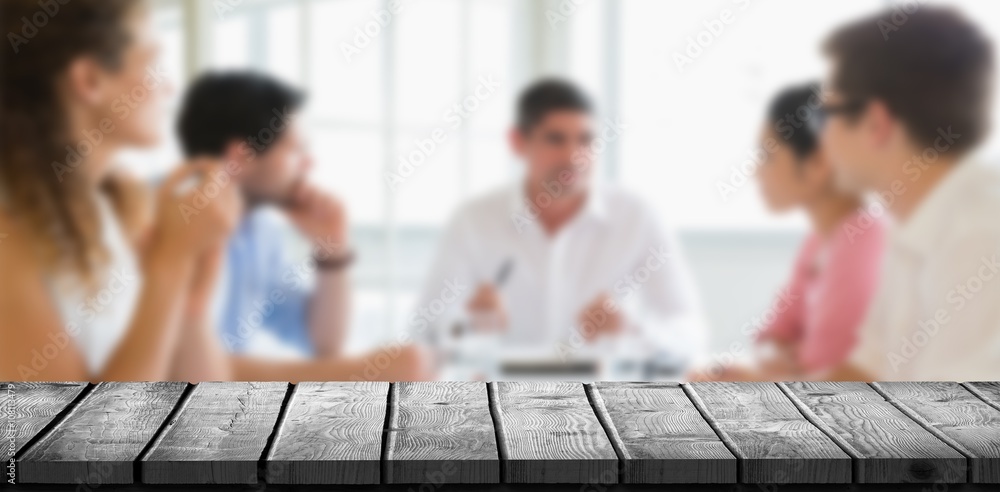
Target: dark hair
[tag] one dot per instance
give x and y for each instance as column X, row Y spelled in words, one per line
column 57, row 208
column 548, row 95
column 930, row 66
column 222, row 107
column 794, row 113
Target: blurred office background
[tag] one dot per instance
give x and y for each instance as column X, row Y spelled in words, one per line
column 686, row 128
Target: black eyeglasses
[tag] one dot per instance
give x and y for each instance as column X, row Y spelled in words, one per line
column 849, row 108
column 843, row 108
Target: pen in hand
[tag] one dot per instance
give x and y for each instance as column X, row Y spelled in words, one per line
column 499, row 279
column 504, row 272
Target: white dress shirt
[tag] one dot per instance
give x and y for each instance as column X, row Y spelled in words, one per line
column 614, row 245
column 937, row 314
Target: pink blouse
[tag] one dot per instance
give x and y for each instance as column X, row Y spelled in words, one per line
column 832, row 284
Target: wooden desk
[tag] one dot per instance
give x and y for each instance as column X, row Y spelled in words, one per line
column 503, row 433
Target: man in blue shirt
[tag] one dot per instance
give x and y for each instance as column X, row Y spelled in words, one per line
column 267, row 302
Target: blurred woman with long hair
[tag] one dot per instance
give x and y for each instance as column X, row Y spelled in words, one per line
column 102, row 280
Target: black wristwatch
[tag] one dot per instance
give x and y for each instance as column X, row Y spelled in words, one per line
column 334, row 263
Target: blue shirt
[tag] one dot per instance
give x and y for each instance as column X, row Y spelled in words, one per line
column 260, row 290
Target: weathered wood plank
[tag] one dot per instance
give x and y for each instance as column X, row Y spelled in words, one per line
column 772, row 439
column 548, row 433
column 32, row 407
column 989, row 391
column 957, row 416
column 331, row 434
column 887, row 445
column 100, row 439
column 661, row 436
column 218, row 435
column 441, row 433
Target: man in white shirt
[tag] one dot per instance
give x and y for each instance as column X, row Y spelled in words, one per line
column 555, row 263
column 908, row 103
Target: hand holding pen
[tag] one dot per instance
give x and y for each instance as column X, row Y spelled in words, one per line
column 487, row 311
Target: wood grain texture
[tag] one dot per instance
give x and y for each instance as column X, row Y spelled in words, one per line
column 887, row 445
column 772, row 439
column 953, row 413
column 441, row 433
column 661, row 435
column 218, row 436
column 100, row 439
column 32, row 407
column 331, row 434
column 988, row 391
column 548, row 433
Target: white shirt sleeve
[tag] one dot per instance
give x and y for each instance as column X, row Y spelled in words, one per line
column 447, row 285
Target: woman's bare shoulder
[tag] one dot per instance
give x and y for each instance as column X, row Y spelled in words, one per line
column 30, row 318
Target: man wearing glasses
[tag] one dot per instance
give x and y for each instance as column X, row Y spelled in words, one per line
column 905, row 110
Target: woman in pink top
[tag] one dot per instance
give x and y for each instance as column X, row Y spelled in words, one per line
column 813, row 323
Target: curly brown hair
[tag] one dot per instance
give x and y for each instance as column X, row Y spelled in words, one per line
column 57, row 209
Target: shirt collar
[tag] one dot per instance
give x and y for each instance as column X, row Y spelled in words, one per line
column 595, row 207
column 921, row 231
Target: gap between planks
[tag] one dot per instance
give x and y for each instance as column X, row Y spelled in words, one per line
column 494, row 405
column 55, row 422
column 388, row 437
column 979, row 394
column 969, row 455
column 278, row 425
column 826, row 429
column 726, row 441
column 593, row 395
column 601, row 411
column 161, row 431
column 182, row 403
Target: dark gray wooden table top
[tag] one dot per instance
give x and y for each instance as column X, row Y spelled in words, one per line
column 377, row 433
